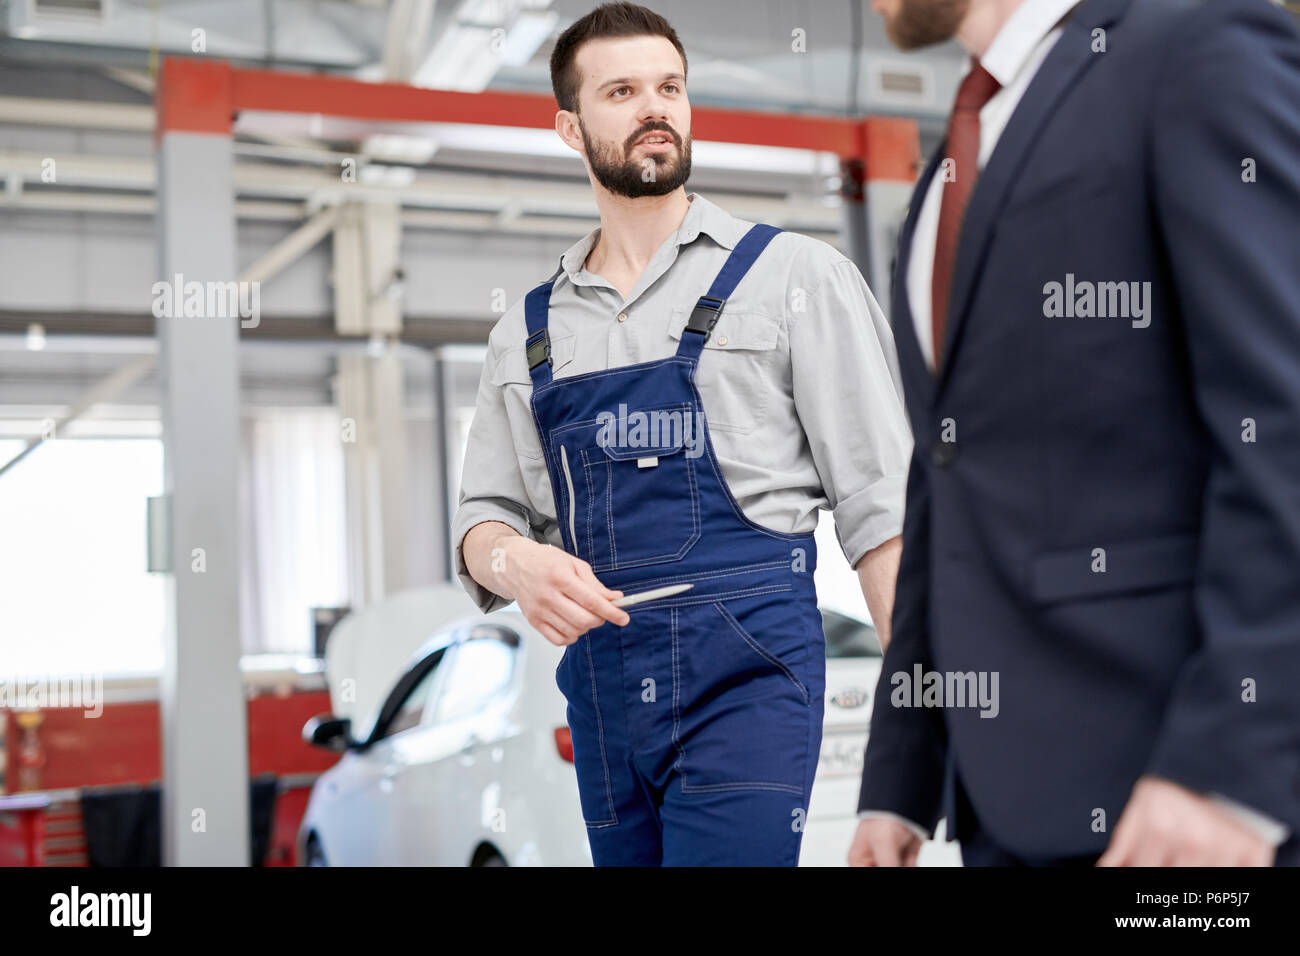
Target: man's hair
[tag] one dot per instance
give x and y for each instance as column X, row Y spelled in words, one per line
column 607, row 20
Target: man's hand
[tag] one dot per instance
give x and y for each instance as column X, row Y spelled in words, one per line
column 880, row 841
column 1168, row 825
column 558, row 593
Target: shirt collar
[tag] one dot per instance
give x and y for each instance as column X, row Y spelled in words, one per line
column 701, row 216
column 1020, row 35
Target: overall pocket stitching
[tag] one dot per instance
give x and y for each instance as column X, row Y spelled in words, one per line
column 761, row 651
column 692, row 484
column 612, row 562
column 591, row 497
column 568, row 483
column 677, row 690
column 609, row 512
column 692, row 495
column 742, row 785
column 681, row 750
column 645, row 583
column 724, row 596
column 600, row 735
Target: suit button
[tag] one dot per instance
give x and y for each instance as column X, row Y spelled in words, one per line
column 943, row 453
column 622, row 316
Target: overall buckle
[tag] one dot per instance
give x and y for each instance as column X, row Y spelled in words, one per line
column 538, row 349
column 705, row 315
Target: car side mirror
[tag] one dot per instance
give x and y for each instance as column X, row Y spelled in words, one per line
column 329, row 732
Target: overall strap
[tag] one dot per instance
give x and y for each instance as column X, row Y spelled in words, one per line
column 537, row 307
column 709, row 307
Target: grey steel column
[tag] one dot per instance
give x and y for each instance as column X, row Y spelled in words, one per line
column 205, row 811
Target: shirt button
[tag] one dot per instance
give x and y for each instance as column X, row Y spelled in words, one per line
column 722, row 341
column 622, row 316
column 943, row 453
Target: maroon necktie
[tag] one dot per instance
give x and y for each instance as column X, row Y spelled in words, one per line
column 963, row 148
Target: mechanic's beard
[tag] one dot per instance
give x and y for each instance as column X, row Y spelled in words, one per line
column 624, row 177
column 921, row 23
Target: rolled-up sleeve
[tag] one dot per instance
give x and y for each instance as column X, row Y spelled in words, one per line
column 491, row 483
column 848, row 395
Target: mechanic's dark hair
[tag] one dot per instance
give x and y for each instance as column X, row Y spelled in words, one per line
column 607, row 20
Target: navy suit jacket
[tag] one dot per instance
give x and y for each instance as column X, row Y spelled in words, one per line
column 1113, row 523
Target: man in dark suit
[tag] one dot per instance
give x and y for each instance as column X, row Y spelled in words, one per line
column 1096, row 634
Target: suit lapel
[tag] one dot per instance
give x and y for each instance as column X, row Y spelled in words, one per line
column 901, row 308
column 1059, row 71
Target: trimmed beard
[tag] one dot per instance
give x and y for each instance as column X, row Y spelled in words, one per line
column 626, row 177
column 922, row 23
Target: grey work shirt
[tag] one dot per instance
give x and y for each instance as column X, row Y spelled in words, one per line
column 799, row 383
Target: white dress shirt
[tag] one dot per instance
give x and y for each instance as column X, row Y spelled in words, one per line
column 1013, row 59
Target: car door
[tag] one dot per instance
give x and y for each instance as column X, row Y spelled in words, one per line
column 447, row 791
column 853, row 662
column 371, row 825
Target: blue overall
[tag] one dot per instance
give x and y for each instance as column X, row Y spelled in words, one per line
column 696, row 727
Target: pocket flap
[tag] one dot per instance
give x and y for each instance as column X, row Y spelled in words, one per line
column 735, row 329
column 1130, row 566
column 633, row 453
column 512, row 366
column 653, row 433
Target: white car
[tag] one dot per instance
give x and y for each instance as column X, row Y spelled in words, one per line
column 469, row 761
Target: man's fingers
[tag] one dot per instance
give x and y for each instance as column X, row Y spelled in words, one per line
column 911, row 852
column 1117, row 853
column 551, row 634
column 589, row 576
column 595, row 597
column 885, row 850
column 571, row 616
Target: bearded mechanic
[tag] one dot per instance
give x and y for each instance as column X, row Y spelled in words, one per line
column 696, row 719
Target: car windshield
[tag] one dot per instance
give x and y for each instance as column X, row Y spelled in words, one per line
column 849, row 637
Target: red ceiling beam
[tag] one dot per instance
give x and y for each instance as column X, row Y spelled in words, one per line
column 890, row 148
column 196, row 95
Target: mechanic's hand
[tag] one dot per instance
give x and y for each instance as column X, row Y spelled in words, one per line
column 880, row 841
column 558, row 593
column 1168, row 825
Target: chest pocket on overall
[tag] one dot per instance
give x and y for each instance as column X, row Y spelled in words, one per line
column 630, row 492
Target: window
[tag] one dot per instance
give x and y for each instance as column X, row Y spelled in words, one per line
column 410, row 712
column 847, row 637
column 72, row 558
column 480, row 671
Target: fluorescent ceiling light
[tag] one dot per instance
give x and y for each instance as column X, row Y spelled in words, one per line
column 483, row 36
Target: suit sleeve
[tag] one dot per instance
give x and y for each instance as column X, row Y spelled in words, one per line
column 1225, row 164
column 902, row 771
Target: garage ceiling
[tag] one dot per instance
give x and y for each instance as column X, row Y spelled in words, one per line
column 740, row 51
